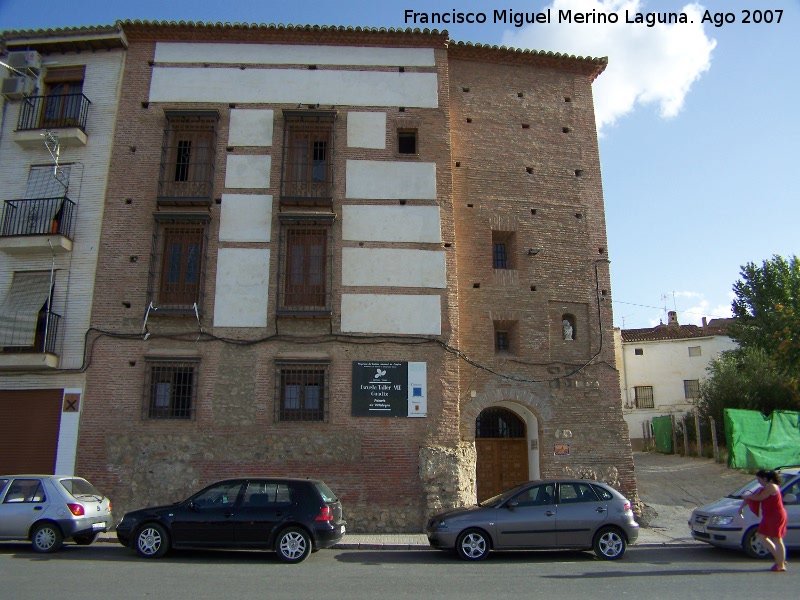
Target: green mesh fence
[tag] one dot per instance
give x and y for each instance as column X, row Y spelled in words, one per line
column 759, row 442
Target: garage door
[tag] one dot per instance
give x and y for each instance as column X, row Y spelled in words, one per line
column 29, row 424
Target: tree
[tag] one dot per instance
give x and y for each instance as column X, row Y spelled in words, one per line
column 745, row 378
column 767, row 312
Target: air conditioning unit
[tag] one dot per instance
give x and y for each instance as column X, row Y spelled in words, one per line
column 14, row 88
column 23, row 60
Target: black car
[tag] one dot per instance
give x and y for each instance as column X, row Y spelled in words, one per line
column 291, row 516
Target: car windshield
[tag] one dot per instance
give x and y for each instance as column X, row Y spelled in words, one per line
column 495, row 500
column 748, row 488
column 80, row 487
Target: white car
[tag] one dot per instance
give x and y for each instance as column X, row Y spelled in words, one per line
column 48, row 509
column 719, row 523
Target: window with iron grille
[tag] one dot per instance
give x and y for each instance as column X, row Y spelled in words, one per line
column 502, row 246
column 307, row 173
column 305, row 265
column 302, row 392
column 177, row 264
column 643, row 396
column 187, row 158
column 505, row 336
column 691, row 388
column 170, row 389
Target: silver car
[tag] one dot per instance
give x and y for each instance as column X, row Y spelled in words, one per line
column 48, row 509
column 548, row 514
column 719, row 523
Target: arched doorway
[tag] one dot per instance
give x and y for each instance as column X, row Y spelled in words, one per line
column 501, row 442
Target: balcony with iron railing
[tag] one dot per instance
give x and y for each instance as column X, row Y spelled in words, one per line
column 35, row 226
column 65, row 113
column 39, row 355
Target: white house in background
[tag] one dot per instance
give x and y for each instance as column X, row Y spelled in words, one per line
column 660, row 369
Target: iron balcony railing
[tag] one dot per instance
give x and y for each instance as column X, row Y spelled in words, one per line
column 54, row 111
column 44, row 339
column 40, row 216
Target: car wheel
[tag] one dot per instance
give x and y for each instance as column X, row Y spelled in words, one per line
column 152, row 541
column 85, row 540
column 472, row 544
column 293, row 545
column 609, row 544
column 752, row 546
column 46, row 537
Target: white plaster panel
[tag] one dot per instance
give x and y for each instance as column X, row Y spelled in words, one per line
column 251, row 127
column 242, row 287
column 68, row 436
column 245, row 218
column 354, row 88
column 247, row 171
column 366, row 130
column 390, row 180
column 391, row 313
column 393, row 267
column 392, row 224
column 285, row 54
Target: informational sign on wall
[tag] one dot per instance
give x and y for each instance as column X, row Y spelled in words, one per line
column 390, row 389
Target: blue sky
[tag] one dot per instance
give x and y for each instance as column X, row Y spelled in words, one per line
column 699, row 128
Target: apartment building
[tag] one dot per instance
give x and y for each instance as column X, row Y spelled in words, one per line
column 60, row 91
column 375, row 257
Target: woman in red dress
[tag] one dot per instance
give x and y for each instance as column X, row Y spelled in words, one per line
column 772, row 528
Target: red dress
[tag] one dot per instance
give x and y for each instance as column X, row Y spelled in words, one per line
column 773, row 517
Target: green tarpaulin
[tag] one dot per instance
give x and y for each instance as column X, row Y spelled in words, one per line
column 662, row 432
column 759, row 442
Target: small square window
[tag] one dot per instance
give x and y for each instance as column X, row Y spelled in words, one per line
column 695, row 351
column 407, row 141
column 638, row 351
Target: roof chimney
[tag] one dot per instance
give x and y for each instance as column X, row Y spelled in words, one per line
column 672, row 318
column 705, row 322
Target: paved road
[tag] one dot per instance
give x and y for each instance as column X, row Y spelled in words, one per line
column 671, row 486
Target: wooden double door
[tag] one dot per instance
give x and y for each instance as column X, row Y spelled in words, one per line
column 502, row 445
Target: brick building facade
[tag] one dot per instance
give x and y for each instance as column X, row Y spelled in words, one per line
column 373, row 257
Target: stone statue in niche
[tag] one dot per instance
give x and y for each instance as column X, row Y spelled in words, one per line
column 566, row 327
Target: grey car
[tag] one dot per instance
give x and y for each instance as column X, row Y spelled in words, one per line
column 719, row 523
column 547, row 514
column 48, row 509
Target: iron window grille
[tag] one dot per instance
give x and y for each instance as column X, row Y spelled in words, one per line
column 187, row 158
column 170, row 389
column 502, row 245
column 177, row 263
column 691, row 388
column 307, row 172
column 301, row 392
column 499, row 423
column 305, row 265
column 643, row 396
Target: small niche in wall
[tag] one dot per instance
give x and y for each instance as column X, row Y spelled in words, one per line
column 568, row 330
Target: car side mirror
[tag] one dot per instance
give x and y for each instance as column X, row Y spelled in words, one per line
column 512, row 505
column 191, row 505
column 790, row 499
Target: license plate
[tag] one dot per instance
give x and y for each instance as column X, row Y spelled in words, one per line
column 342, row 529
column 96, row 526
column 698, row 529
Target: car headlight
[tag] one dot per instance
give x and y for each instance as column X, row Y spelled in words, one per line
column 721, row 520
column 441, row 525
